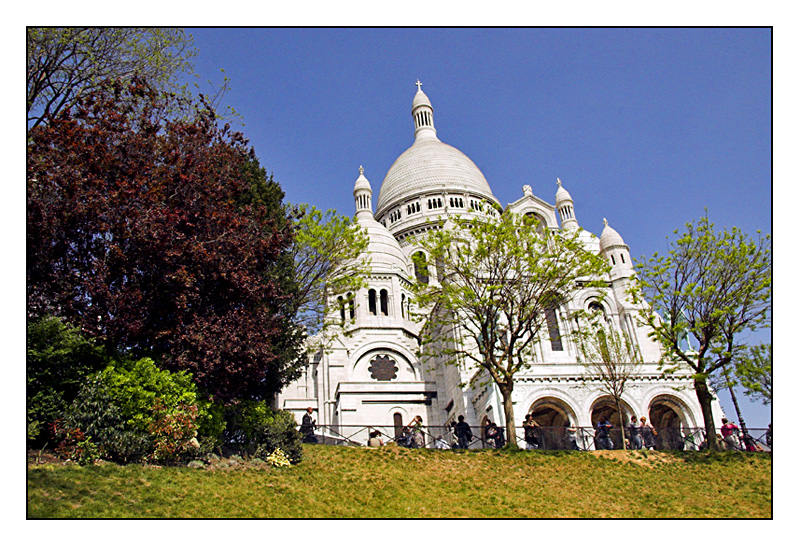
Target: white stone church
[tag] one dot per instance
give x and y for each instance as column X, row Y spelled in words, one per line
column 372, row 375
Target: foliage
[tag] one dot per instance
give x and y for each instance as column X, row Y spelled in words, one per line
column 328, row 261
column 500, row 278
column 754, row 371
column 258, row 430
column 58, row 358
column 135, row 411
column 609, row 356
column 164, row 238
column 74, row 444
column 713, row 286
column 173, row 431
column 278, row 459
column 139, row 387
column 66, row 64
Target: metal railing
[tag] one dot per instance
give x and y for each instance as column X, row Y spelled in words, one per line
column 546, row 438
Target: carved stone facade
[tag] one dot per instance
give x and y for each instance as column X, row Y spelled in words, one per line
column 370, row 374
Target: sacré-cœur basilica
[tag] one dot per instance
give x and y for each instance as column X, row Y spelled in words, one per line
column 373, row 376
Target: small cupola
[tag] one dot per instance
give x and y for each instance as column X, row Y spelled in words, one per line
column 362, row 192
column 615, row 251
column 422, row 112
column 565, row 208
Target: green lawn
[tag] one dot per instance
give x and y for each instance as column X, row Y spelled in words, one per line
column 341, row 482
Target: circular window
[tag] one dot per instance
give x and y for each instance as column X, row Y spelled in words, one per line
column 383, row 368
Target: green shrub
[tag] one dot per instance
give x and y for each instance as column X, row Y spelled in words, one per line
column 135, row 412
column 258, row 430
column 58, row 359
column 135, row 387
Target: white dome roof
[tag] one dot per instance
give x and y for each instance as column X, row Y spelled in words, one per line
column 383, row 250
column 431, row 165
column 610, row 237
column 562, row 194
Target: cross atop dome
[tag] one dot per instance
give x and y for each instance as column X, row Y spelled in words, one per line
column 419, row 85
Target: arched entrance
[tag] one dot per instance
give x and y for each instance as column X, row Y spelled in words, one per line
column 552, row 414
column 605, row 407
column 668, row 415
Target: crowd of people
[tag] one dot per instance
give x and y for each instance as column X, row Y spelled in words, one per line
column 640, row 435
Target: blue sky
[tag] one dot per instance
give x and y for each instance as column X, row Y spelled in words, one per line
column 645, row 127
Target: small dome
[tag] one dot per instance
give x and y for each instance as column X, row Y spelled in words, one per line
column 383, row 250
column 361, row 182
column 420, row 99
column 610, row 237
column 562, row 194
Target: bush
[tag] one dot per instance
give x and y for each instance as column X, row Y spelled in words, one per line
column 137, row 412
column 258, row 431
column 58, row 359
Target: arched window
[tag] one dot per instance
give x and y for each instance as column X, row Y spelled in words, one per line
column 384, row 302
column 403, row 306
column 373, row 305
column 352, row 305
column 553, row 330
column 439, row 269
column 421, row 267
column 398, row 424
column 340, row 300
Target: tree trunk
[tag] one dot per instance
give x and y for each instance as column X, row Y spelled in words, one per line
column 704, row 398
column 622, row 424
column 735, row 401
column 508, row 410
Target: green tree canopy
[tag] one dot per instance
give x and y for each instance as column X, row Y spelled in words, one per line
column 501, row 278
column 713, row 285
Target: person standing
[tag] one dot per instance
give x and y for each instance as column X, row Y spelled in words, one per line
column 730, row 435
column 635, row 434
column 463, row 433
column 570, row 435
column 528, row 426
column 648, row 434
column 308, row 426
column 417, row 438
column 603, row 441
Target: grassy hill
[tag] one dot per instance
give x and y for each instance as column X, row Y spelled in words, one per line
column 341, row 482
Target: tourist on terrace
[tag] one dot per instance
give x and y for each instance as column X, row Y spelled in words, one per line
column 602, row 440
column 375, row 439
column 648, row 434
column 417, row 437
column 635, row 434
column 730, row 435
column 570, row 435
column 529, row 427
column 308, row 426
column 463, row 433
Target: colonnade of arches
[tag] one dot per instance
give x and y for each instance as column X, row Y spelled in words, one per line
column 666, row 413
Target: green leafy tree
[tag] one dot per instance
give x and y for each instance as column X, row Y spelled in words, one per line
column 65, row 64
column 328, row 253
column 501, row 278
column 714, row 286
column 754, row 371
column 610, row 358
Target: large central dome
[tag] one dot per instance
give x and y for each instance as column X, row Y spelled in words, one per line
column 430, row 166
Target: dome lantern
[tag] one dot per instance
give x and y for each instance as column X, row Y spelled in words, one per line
column 422, row 112
column 565, row 208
